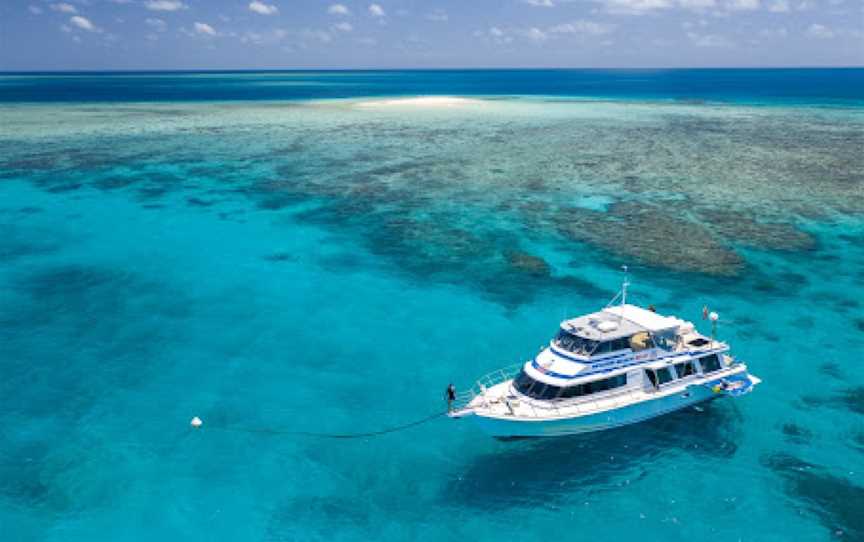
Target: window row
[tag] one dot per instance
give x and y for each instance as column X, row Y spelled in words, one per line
column 535, row 389
column 579, row 345
column 658, row 377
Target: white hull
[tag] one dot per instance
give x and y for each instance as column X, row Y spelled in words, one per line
column 615, row 367
column 509, row 427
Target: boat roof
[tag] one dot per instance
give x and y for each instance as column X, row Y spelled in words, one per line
column 619, row 321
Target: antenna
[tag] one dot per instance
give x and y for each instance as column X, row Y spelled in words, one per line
column 624, row 286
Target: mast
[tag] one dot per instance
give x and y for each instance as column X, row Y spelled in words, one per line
column 624, row 286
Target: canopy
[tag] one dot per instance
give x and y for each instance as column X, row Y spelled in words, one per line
column 646, row 319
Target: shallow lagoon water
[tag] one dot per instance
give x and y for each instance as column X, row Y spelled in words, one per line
column 324, row 266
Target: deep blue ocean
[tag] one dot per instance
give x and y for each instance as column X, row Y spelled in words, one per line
column 283, row 252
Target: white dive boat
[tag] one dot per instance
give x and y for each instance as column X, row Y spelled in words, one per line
column 621, row 365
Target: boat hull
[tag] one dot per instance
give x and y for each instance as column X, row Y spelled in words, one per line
column 505, row 427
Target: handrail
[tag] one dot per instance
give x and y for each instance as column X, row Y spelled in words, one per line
column 490, row 379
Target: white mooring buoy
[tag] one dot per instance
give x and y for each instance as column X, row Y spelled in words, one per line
column 196, row 422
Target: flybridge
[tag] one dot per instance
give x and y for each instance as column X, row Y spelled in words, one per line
column 618, row 322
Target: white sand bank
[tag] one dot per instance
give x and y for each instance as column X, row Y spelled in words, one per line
column 421, row 101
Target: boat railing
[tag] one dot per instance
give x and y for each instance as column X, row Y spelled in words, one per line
column 485, row 382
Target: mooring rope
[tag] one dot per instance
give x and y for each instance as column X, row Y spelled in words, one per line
column 197, row 423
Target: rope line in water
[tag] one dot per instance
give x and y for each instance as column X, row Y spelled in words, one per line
column 266, row 431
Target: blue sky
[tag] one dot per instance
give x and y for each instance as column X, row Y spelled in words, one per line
column 224, row 34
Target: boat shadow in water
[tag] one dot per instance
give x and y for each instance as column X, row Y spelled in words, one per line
column 546, row 470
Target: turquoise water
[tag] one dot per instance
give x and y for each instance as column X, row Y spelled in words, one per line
column 330, row 265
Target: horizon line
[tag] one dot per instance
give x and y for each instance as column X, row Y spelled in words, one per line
column 419, row 69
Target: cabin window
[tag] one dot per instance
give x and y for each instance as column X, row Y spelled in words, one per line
column 535, row 389
column 573, row 343
column 613, row 346
column 664, row 376
column 710, row 363
column 685, row 369
column 596, row 386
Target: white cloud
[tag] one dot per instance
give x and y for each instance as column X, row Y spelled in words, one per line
column 343, row 27
column 376, row 11
column 439, row 16
column 35, row 10
column 535, row 34
column 635, row 7
column 495, row 34
column 640, row 7
column 338, row 9
column 582, row 27
column 743, row 5
column 708, row 40
column 83, row 23
column 263, row 9
column 165, row 5
column 540, row 3
column 779, row 6
column 156, row 24
column 204, row 28
column 819, row 31
column 697, row 4
column 63, row 7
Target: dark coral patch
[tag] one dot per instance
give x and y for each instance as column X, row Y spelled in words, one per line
column 16, row 242
column 652, row 235
column 831, row 369
column 280, row 257
column 797, row 434
column 527, row 263
column 741, row 227
column 113, row 183
column 65, row 187
column 836, row 501
column 198, row 202
column 851, row 399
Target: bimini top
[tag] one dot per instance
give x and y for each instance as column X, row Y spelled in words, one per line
column 648, row 320
column 619, row 321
